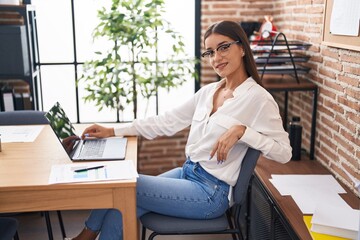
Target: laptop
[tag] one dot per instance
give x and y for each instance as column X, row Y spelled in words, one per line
column 83, row 149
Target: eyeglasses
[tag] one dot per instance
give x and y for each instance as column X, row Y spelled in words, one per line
column 223, row 50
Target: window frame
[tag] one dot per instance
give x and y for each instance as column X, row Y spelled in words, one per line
column 76, row 64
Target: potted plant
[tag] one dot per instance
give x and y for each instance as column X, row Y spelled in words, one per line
column 132, row 65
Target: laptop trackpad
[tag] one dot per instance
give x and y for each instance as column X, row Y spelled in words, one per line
column 115, row 148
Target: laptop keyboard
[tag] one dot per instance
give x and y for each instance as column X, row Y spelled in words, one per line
column 93, row 148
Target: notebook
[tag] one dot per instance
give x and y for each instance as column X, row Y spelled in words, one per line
column 83, row 149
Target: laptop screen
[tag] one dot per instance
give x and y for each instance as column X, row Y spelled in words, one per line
column 63, row 128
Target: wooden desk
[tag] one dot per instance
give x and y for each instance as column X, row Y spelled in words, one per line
column 285, row 83
column 24, row 175
column 285, row 206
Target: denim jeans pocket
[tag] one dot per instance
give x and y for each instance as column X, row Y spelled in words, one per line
column 210, row 184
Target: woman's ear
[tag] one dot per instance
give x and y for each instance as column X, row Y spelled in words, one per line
column 243, row 51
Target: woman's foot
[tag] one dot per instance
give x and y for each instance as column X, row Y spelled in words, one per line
column 86, row 234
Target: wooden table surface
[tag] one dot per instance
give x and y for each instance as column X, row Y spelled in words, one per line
column 24, row 176
column 286, row 204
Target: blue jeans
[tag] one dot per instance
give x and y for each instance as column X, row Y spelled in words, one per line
column 187, row 192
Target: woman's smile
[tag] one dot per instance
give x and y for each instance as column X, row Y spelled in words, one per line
column 221, row 66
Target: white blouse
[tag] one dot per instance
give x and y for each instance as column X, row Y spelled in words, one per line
column 251, row 106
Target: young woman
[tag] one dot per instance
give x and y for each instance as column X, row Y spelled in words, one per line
column 226, row 118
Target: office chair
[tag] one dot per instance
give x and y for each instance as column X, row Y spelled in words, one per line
column 228, row 223
column 31, row 117
column 8, row 228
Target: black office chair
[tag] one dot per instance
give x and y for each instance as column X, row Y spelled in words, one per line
column 30, row 117
column 8, row 228
column 228, row 223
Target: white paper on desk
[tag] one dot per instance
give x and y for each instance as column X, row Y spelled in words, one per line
column 112, row 170
column 19, row 133
column 336, row 220
column 308, row 200
column 287, row 184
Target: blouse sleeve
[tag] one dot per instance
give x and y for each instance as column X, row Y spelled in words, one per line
column 267, row 134
column 168, row 123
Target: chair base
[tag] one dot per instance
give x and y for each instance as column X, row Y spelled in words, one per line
column 236, row 235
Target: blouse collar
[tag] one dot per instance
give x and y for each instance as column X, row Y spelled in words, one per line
column 243, row 87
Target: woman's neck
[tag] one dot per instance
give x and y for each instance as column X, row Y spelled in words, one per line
column 236, row 78
column 232, row 82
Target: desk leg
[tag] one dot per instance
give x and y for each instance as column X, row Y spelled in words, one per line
column 125, row 201
column 313, row 125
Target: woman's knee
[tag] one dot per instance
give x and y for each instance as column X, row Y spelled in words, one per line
column 114, row 216
column 112, row 227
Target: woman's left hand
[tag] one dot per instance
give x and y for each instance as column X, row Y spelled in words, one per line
column 226, row 142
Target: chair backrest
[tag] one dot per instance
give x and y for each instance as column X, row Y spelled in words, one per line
column 247, row 168
column 22, row 117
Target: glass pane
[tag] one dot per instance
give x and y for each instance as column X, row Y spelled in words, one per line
column 186, row 27
column 54, row 30
column 146, row 107
column 58, row 83
column 176, row 96
column 89, row 111
column 85, row 22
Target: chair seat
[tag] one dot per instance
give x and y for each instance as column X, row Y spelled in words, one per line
column 155, row 222
column 8, row 227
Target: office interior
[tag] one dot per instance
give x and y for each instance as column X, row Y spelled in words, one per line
column 330, row 134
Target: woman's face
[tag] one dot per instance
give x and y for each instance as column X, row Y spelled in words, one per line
column 224, row 54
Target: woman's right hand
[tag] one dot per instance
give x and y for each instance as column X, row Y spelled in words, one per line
column 98, row 131
column 227, row 141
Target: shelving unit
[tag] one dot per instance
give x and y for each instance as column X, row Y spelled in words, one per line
column 277, row 62
column 32, row 76
column 276, row 56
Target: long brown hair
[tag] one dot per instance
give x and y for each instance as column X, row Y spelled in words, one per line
column 234, row 31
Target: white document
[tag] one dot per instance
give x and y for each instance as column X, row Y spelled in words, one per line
column 309, row 190
column 336, row 221
column 345, row 17
column 287, row 184
column 308, row 200
column 19, row 133
column 105, row 171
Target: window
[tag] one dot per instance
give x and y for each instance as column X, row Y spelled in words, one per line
column 65, row 43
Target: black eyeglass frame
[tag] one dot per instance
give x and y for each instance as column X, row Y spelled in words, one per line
column 211, row 53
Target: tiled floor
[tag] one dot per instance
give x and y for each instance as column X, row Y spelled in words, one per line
column 33, row 227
